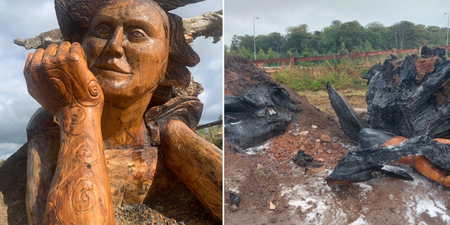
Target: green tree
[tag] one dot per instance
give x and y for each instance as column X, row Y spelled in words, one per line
column 376, row 34
column 296, row 36
column 265, row 42
column 437, row 36
column 351, row 34
column 245, row 41
column 244, row 52
column 261, row 54
column 271, row 54
column 343, row 49
column 402, row 35
column 329, row 40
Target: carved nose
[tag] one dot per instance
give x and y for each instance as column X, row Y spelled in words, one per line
column 115, row 43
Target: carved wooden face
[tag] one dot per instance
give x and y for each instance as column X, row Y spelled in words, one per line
column 127, row 48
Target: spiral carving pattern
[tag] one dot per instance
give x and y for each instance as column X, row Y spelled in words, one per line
column 86, row 149
column 91, row 96
column 84, row 195
column 94, row 88
column 71, row 121
column 76, row 115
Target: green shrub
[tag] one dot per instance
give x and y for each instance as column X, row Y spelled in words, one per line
column 343, row 74
column 212, row 134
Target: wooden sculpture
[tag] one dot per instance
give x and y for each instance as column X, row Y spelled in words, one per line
column 110, row 131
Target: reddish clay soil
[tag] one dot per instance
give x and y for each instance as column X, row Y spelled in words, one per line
column 274, row 190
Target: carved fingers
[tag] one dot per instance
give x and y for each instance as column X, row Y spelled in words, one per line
column 59, row 76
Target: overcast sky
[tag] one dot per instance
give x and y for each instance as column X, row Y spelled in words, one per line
column 276, row 16
column 28, row 18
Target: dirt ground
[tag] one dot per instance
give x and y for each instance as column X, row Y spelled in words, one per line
column 274, row 190
column 356, row 98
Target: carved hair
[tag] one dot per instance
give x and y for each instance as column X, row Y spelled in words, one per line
column 74, row 17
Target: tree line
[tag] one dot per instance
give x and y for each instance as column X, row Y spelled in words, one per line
column 338, row 38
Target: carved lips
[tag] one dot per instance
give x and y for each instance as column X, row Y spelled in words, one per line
column 114, row 65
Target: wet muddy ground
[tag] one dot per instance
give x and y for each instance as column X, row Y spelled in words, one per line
column 298, row 198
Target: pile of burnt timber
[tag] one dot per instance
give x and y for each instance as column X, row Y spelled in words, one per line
column 256, row 107
column 408, row 107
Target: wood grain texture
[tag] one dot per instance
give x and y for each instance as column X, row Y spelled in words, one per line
column 100, row 153
column 80, row 191
column 422, row 164
column 137, row 175
column 196, row 161
column 43, row 147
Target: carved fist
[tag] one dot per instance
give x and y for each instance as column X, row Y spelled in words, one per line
column 58, row 77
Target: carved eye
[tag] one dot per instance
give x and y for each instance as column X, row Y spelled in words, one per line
column 104, row 31
column 137, row 35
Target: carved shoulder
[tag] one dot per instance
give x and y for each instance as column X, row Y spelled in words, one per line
column 41, row 123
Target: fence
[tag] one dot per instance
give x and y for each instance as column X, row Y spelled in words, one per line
column 215, row 123
column 353, row 55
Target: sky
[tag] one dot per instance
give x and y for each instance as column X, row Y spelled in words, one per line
column 276, row 16
column 28, row 18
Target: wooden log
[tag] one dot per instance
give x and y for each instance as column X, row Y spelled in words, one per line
column 429, row 157
column 408, row 97
column 196, row 161
column 43, row 147
column 351, row 123
column 207, row 24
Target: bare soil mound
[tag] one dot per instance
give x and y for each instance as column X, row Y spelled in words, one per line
column 274, row 190
column 311, row 130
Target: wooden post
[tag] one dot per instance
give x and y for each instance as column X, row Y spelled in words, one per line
column 292, row 62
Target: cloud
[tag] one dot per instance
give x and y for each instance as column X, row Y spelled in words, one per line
column 8, row 149
column 209, row 74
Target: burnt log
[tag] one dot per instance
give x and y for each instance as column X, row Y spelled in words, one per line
column 359, row 165
column 257, row 115
column 351, row 123
column 407, row 98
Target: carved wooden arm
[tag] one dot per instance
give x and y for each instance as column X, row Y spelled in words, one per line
column 80, row 188
column 58, row 78
column 196, row 161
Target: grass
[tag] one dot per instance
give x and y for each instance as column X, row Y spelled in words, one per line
column 342, row 74
column 212, row 134
column 2, row 161
column 356, row 98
